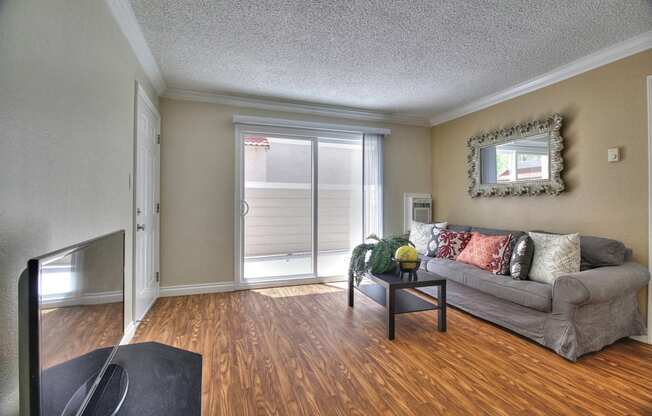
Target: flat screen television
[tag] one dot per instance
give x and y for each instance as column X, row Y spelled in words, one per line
column 71, row 324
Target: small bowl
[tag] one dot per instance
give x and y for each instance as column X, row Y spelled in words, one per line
column 402, row 263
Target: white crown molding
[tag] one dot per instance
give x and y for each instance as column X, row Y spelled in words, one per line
column 126, row 19
column 196, row 289
column 602, row 57
column 291, row 107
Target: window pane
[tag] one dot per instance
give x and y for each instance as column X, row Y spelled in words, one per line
column 339, row 204
column 532, row 166
column 278, row 191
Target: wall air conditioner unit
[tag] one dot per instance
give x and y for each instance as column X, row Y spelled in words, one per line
column 416, row 207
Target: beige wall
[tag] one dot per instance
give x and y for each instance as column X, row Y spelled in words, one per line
column 197, row 185
column 602, row 108
column 67, row 79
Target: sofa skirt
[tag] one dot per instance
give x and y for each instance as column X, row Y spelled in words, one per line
column 571, row 331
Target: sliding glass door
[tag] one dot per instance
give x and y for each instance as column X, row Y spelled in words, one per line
column 278, row 206
column 339, row 203
column 300, row 202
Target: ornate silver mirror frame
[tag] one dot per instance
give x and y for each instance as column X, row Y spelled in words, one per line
column 554, row 185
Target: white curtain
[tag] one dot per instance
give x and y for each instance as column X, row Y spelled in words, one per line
column 372, row 178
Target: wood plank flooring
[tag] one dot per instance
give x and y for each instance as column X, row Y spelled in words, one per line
column 302, row 351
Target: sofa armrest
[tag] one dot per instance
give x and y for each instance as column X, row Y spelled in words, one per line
column 600, row 284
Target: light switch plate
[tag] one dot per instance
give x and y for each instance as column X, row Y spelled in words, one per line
column 613, row 154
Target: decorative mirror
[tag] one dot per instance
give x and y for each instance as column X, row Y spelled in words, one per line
column 521, row 160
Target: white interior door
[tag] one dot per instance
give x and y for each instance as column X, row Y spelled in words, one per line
column 146, row 276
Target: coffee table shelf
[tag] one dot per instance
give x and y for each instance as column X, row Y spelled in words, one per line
column 405, row 302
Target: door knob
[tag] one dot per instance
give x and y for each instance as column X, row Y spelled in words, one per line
column 140, row 227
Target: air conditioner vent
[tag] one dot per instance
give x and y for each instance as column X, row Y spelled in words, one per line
column 416, row 207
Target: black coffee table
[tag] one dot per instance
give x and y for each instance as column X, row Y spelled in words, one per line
column 387, row 289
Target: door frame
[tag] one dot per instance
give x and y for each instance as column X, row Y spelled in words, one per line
column 648, row 338
column 307, row 132
column 141, row 93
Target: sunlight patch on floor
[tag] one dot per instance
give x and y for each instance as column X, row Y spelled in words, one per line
column 301, row 290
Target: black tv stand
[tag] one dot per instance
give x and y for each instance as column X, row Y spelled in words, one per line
column 161, row 380
column 108, row 397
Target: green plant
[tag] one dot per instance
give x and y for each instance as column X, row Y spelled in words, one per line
column 375, row 257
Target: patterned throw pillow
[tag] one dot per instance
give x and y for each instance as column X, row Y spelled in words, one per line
column 432, row 244
column 501, row 261
column 519, row 265
column 421, row 233
column 451, row 243
column 486, row 252
column 554, row 255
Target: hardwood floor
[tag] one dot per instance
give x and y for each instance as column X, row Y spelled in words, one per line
column 302, row 351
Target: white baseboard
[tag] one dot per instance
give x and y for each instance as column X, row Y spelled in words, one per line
column 219, row 287
column 289, row 282
column 95, row 298
column 130, row 331
column 642, row 338
column 196, row 289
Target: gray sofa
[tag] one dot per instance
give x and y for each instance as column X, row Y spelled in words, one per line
column 580, row 313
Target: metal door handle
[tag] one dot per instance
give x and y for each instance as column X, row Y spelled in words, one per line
column 245, row 208
column 140, row 227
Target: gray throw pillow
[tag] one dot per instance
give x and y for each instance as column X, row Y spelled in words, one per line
column 421, row 234
column 434, row 242
column 519, row 265
column 599, row 252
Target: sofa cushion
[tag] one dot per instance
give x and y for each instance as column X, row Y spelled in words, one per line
column 519, row 264
column 487, row 252
column 450, row 243
column 431, row 249
column 421, row 234
column 599, row 252
column 497, row 231
column 527, row 293
column 458, row 228
column 554, row 255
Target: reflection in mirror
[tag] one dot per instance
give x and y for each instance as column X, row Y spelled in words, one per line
column 81, row 301
column 519, row 160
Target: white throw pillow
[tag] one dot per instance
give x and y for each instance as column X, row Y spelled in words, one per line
column 421, row 234
column 554, row 255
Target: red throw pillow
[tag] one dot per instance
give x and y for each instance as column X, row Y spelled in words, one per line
column 502, row 259
column 451, row 243
column 486, row 252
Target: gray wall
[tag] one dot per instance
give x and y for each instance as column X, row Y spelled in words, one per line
column 67, row 79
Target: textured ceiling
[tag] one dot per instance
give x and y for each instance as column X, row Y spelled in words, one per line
column 424, row 57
